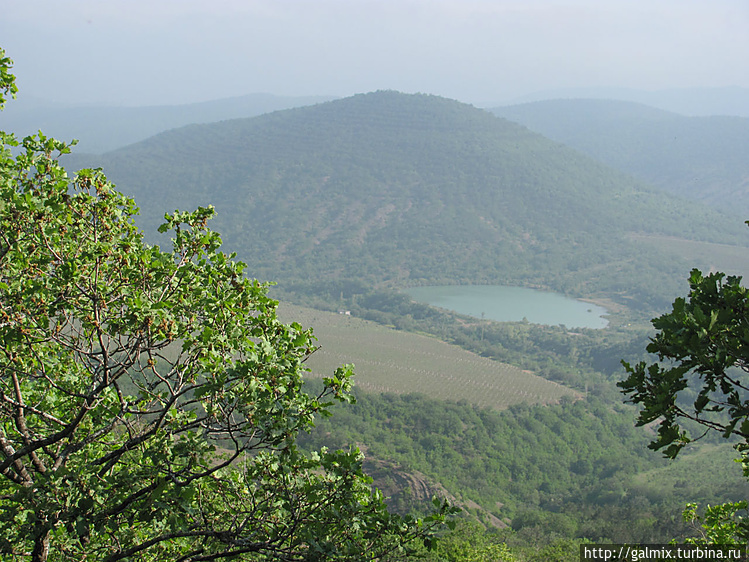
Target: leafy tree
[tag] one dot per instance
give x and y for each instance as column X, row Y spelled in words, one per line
column 706, row 340
column 720, row 524
column 700, row 380
column 7, row 80
column 150, row 399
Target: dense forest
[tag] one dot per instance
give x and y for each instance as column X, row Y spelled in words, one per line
column 579, row 469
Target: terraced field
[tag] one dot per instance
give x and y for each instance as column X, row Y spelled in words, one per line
column 389, row 360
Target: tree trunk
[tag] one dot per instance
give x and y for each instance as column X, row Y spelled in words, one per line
column 41, row 546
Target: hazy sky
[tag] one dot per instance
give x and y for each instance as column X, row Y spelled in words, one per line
column 137, row 52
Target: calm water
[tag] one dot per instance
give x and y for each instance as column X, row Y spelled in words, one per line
column 512, row 304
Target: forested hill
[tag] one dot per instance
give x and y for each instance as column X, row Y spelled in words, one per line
column 703, row 158
column 408, row 189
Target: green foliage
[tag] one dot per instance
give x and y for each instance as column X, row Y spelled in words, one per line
column 720, row 524
column 703, row 350
column 467, row 541
column 560, row 550
column 470, row 543
column 553, row 472
column 705, row 340
column 150, row 400
column 7, row 80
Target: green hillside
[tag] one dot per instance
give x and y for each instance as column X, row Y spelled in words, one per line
column 703, row 158
column 396, row 189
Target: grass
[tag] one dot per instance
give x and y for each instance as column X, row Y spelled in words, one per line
column 389, row 360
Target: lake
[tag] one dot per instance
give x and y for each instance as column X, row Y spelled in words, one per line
column 512, row 304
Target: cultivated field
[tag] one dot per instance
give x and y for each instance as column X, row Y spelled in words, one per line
column 389, row 360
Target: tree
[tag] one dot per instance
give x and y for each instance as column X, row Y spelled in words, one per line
column 150, row 399
column 702, row 347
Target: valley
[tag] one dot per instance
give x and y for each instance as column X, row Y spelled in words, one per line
column 397, row 190
column 373, row 281
column 345, row 205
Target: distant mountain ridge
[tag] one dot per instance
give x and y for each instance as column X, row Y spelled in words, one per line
column 101, row 129
column 398, row 189
column 729, row 100
column 701, row 158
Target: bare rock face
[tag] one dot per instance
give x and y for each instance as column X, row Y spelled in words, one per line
column 405, row 490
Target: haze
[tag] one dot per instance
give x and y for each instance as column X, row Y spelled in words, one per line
column 152, row 52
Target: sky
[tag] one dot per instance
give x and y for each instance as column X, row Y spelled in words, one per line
column 157, row 52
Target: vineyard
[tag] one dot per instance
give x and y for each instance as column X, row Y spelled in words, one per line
column 389, row 360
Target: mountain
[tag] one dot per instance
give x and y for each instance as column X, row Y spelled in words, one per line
column 702, row 158
column 101, row 129
column 729, row 100
column 396, row 189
